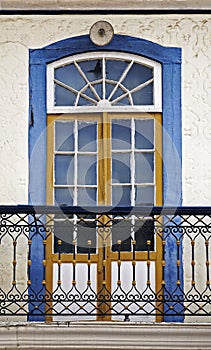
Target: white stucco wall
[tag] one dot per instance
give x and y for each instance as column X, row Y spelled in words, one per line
column 190, row 32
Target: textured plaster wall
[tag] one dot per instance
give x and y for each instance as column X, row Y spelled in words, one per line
column 18, row 34
column 190, row 32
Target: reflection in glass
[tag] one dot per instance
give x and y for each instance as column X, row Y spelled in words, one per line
column 143, row 96
column 138, row 74
column 121, row 167
column 144, row 195
column 92, row 69
column 121, row 134
column 64, row 136
column 87, row 137
column 69, row 75
column 144, row 231
column 144, row 134
column 64, row 166
column 121, row 195
column 63, row 231
column 64, row 196
column 121, row 230
column 64, row 97
column 87, row 170
column 115, row 69
column 144, row 167
column 86, row 232
column 87, row 196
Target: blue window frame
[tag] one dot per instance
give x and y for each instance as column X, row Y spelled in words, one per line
column 170, row 59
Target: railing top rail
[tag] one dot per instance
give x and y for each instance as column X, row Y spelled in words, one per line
column 146, row 210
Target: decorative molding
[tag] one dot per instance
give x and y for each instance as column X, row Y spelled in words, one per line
column 105, row 336
column 101, row 5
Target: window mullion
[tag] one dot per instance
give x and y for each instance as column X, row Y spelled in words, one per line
column 132, row 162
column 75, row 195
column 104, row 77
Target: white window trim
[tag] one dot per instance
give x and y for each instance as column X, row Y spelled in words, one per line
column 157, row 84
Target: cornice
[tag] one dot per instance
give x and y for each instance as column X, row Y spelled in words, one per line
column 101, row 5
column 105, row 336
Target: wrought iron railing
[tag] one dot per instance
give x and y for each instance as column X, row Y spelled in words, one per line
column 104, row 263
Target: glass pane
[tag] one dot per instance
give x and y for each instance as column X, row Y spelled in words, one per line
column 86, row 231
column 121, row 134
column 145, row 195
column 64, row 136
column 121, row 168
column 87, row 137
column 123, row 102
column 70, row 76
column 144, row 165
column 63, row 231
column 64, row 196
column 89, row 92
column 121, row 195
column 138, row 74
column 143, row 96
column 121, row 230
column 98, row 88
column 144, row 231
column 87, row 170
column 109, row 89
column 64, row 170
column 92, row 69
column 87, row 196
column 115, row 69
column 144, row 134
column 84, row 102
column 119, row 92
column 64, row 97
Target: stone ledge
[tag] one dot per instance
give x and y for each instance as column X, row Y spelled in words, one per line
column 107, row 5
column 105, row 336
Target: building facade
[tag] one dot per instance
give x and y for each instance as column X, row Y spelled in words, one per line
column 170, row 47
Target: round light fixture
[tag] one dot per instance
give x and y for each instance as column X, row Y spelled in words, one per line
column 101, row 33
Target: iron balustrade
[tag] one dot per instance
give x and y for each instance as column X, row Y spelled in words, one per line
column 101, row 262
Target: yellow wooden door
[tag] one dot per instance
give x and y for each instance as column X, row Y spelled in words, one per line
column 103, row 159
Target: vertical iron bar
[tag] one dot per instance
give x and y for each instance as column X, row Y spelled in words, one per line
column 44, row 263
column 74, row 262
column 207, row 262
column 119, row 242
column 89, row 242
column 163, row 262
column 193, row 263
column 134, row 262
column 104, row 261
column 14, row 262
column 59, row 282
column 178, row 262
column 148, row 262
column 29, row 263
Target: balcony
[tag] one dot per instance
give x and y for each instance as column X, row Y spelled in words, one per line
column 120, row 264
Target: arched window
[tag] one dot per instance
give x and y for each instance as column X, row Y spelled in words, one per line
column 105, row 128
column 112, row 85
column 104, row 81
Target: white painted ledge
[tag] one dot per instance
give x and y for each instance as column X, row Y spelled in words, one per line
column 105, row 336
column 102, row 4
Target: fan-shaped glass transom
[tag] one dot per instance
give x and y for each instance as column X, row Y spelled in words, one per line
column 103, row 81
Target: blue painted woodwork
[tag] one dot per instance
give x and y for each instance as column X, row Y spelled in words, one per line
column 170, row 58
